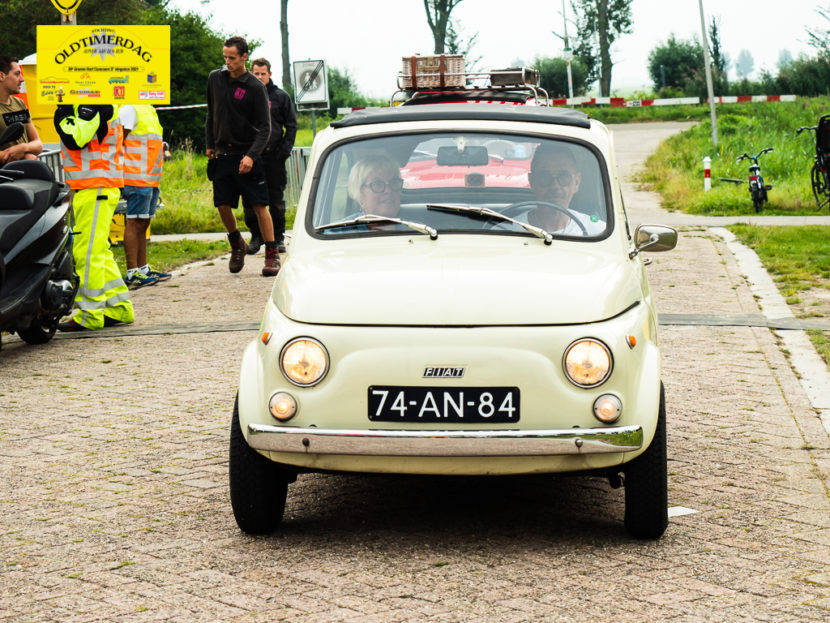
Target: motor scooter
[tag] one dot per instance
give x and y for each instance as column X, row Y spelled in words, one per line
column 37, row 272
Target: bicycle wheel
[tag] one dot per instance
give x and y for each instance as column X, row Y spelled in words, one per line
column 757, row 197
column 821, row 187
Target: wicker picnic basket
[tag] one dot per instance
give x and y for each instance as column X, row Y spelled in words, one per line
column 446, row 70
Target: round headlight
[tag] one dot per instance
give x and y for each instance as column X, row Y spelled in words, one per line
column 282, row 406
column 587, row 363
column 607, row 408
column 304, row 361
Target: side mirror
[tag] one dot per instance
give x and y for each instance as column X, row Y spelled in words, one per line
column 653, row 238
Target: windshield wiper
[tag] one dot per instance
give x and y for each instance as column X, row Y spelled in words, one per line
column 487, row 213
column 374, row 218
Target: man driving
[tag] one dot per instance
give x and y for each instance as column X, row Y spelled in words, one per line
column 555, row 179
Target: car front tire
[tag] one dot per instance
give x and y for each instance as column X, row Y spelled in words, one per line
column 646, row 485
column 258, row 486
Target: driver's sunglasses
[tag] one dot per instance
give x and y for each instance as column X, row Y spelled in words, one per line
column 378, row 187
column 545, row 179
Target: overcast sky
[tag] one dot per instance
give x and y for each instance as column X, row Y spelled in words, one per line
column 369, row 37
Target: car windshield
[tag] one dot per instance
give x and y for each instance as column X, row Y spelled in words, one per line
column 492, row 184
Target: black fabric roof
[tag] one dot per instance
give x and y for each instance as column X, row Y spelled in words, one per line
column 465, row 112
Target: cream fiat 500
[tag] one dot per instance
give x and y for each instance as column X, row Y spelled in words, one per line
column 462, row 295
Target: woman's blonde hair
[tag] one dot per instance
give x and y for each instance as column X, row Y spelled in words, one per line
column 365, row 167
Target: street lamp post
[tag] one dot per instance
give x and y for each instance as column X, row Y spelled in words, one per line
column 708, row 70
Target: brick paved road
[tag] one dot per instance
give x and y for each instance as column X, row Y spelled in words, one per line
column 114, row 501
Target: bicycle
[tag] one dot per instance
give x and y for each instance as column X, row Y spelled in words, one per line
column 820, row 173
column 757, row 188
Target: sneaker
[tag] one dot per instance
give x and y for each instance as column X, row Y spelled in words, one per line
column 160, row 276
column 254, row 244
column 281, row 246
column 139, row 280
column 237, row 255
column 70, row 326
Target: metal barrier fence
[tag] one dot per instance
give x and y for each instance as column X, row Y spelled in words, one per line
column 295, row 168
column 53, row 160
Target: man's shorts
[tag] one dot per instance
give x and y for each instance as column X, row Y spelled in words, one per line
column 141, row 201
column 228, row 184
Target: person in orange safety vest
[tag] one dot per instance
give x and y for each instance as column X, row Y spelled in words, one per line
column 142, row 164
column 91, row 146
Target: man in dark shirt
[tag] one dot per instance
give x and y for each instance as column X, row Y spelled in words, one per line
column 237, row 128
column 13, row 109
column 283, row 131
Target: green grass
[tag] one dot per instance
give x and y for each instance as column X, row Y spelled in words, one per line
column 188, row 198
column 607, row 114
column 676, row 169
column 167, row 256
column 798, row 259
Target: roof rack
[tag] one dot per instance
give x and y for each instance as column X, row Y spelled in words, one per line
column 446, row 74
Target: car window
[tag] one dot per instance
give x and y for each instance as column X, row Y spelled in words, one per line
column 430, row 178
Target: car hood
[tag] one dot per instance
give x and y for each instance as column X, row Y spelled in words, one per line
column 403, row 281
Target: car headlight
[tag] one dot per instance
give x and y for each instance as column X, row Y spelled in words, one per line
column 587, row 362
column 304, row 361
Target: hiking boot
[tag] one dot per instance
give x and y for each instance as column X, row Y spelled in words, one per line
column 237, row 255
column 159, row 275
column 254, row 245
column 71, row 326
column 272, row 262
column 281, row 246
column 139, row 280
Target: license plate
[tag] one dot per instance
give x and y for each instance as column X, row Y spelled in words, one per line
column 443, row 404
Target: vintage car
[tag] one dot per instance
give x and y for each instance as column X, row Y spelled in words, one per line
column 427, row 322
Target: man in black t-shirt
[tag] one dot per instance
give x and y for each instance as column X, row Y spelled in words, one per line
column 237, row 128
column 13, row 109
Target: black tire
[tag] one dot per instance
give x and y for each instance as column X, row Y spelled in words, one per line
column 258, row 486
column 646, row 485
column 821, row 190
column 38, row 332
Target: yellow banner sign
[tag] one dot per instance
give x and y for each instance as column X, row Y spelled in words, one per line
column 103, row 64
column 67, row 7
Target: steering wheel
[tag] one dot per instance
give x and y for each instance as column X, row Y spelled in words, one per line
column 516, row 208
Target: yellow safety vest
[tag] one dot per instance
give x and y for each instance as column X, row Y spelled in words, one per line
column 98, row 164
column 143, row 150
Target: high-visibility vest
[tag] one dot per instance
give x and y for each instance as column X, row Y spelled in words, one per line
column 98, row 164
column 143, row 149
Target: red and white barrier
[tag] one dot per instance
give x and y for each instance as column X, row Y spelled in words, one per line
column 742, row 99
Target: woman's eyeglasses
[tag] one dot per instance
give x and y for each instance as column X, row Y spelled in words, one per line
column 378, row 186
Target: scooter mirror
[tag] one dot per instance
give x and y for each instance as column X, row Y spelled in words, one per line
column 13, row 132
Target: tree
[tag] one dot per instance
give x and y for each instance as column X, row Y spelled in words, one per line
column 20, row 18
column 457, row 44
column 820, row 39
column 785, row 59
column 719, row 60
column 195, row 50
column 681, row 62
column 553, row 76
column 286, row 59
column 438, row 18
column 343, row 91
column 599, row 25
column 745, row 64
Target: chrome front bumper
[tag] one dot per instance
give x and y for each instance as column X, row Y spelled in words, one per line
column 445, row 442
